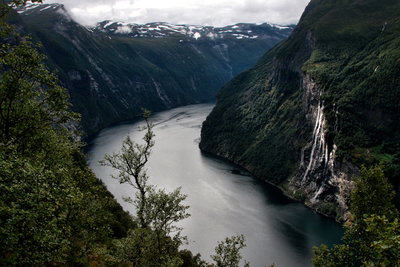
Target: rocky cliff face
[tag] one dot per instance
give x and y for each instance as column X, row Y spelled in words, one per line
column 115, row 68
column 304, row 117
column 321, row 176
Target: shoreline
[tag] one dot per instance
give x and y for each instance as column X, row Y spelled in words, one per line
column 284, row 192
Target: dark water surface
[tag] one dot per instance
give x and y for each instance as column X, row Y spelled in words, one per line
column 224, row 199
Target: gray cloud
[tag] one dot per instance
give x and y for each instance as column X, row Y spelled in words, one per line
column 198, row 12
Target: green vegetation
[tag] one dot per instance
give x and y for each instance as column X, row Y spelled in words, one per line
column 53, row 210
column 228, row 252
column 372, row 236
column 351, row 50
column 157, row 211
column 357, row 67
column 253, row 122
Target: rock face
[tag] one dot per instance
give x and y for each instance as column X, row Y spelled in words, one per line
column 304, row 117
column 322, row 177
column 115, row 68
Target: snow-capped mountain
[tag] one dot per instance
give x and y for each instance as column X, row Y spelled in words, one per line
column 34, row 9
column 161, row 29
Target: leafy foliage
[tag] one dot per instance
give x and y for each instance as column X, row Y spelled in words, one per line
column 26, row 107
column 228, row 252
column 53, row 210
column 157, row 211
column 373, row 234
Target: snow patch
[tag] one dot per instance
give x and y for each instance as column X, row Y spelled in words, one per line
column 27, row 8
column 280, row 27
column 159, row 29
column 108, row 24
column 196, row 35
column 46, row 8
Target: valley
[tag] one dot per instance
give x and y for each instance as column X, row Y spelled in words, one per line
column 304, row 135
column 115, row 68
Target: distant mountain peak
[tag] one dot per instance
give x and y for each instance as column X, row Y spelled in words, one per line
column 35, row 9
column 162, row 29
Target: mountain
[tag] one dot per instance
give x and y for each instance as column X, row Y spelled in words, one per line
column 318, row 105
column 114, row 69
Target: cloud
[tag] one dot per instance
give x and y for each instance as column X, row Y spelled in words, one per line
column 198, row 12
column 123, row 29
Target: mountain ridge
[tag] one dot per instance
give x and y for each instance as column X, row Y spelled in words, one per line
column 111, row 76
column 162, row 29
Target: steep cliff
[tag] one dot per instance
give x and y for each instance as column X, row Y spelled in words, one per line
column 318, row 105
column 115, row 68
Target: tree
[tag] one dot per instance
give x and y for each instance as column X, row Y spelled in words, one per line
column 31, row 98
column 228, row 252
column 190, row 260
column 140, row 248
column 156, row 210
column 372, row 235
column 32, row 214
column 152, row 243
column 130, row 163
column 162, row 210
column 53, row 211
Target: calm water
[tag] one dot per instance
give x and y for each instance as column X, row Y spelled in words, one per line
column 222, row 203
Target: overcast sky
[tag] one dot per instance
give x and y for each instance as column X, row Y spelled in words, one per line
column 195, row 12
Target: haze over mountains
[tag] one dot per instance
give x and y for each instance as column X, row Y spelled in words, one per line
column 115, row 68
column 218, row 13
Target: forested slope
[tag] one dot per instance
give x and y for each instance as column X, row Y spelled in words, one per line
column 53, row 210
column 318, row 105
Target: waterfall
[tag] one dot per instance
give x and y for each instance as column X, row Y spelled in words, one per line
column 319, row 147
